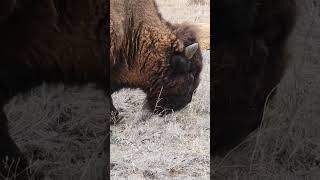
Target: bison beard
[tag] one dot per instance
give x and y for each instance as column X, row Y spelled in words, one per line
column 250, row 58
column 46, row 41
column 162, row 59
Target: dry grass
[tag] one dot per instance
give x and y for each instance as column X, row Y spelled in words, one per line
column 178, row 11
column 191, row 11
column 61, row 131
column 198, row 2
column 204, row 35
column 145, row 146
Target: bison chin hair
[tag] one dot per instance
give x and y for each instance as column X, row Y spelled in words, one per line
column 167, row 105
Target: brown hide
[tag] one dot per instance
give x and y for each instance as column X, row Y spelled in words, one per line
column 147, row 52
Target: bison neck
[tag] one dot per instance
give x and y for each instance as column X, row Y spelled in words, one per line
column 137, row 62
column 140, row 42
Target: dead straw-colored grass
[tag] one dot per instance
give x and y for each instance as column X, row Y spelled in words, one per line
column 61, row 130
column 146, row 146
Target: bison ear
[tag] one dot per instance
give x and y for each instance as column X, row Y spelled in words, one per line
column 191, row 50
column 180, row 64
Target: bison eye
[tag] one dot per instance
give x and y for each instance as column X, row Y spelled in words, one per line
column 179, row 64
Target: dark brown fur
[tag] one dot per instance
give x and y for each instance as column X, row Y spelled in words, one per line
column 48, row 41
column 250, row 57
column 148, row 53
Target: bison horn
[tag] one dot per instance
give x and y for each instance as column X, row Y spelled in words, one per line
column 191, row 50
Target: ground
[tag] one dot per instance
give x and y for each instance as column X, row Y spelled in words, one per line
column 151, row 147
column 61, row 130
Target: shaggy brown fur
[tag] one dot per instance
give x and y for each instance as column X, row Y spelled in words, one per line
column 47, row 41
column 148, row 53
column 250, row 58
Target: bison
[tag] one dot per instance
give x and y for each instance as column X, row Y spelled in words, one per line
column 250, row 57
column 147, row 52
column 48, row 41
column 57, row 41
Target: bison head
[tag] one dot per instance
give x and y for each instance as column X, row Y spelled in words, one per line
column 175, row 75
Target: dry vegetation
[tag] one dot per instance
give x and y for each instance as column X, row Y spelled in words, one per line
column 288, row 144
column 61, row 131
column 190, row 11
column 178, row 11
column 145, row 146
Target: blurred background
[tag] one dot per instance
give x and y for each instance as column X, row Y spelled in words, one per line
column 288, row 144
